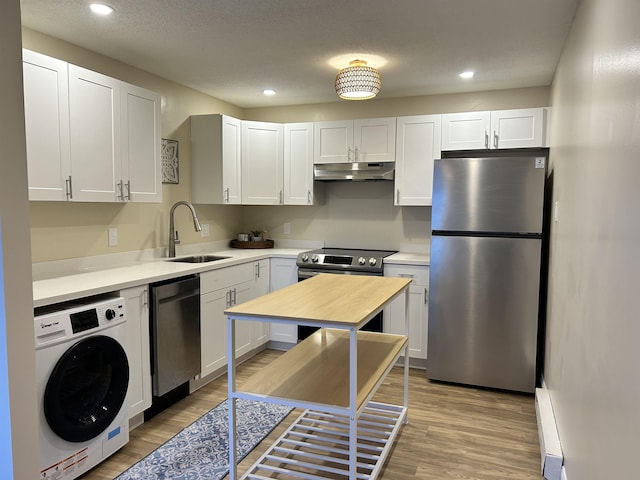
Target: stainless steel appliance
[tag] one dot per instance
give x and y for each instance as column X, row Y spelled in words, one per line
column 487, row 220
column 175, row 337
column 341, row 261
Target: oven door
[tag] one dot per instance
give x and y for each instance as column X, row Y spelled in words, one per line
column 305, row 273
column 373, row 325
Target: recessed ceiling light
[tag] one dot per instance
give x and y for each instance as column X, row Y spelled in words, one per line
column 101, row 8
column 467, row 74
column 269, row 91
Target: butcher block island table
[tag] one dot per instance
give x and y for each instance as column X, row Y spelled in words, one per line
column 333, row 375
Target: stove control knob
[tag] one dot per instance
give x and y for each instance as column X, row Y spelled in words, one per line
column 305, row 257
column 372, row 262
column 315, row 259
column 110, row 314
column 362, row 261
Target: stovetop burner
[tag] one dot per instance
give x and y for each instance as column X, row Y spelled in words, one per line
column 343, row 259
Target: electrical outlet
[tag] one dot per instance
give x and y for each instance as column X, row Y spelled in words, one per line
column 286, row 229
column 205, row 230
column 112, row 235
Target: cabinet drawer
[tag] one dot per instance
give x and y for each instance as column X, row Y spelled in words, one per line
column 419, row 274
column 226, row 277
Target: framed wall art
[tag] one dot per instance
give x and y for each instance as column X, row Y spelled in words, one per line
column 170, row 161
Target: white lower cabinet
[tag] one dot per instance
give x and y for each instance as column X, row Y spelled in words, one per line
column 283, row 272
column 137, row 311
column 220, row 289
column 261, row 287
column 394, row 314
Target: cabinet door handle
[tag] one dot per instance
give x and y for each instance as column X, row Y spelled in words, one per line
column 426, row 296
column 357, row 155
column 398, row 196
column 227, row 298
column 121, row 188
column 234, row 297
column 281, row 197
column 67, row 183
column 349, row 156
column 226, row 195
column 128, row 190
column 308, row 197
column 145, row 298
column 486, row 139
column 257, row 270
column 406, row 275
column 495, row 139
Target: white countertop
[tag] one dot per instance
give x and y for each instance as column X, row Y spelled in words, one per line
column 402, row 258
column 97, row 276
column 61, row 288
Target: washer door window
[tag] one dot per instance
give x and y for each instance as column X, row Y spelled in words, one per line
column 86, row 389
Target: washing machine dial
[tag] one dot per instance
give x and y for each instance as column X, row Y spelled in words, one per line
column 110, row 314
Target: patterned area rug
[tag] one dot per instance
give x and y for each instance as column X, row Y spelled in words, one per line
column 201, row 450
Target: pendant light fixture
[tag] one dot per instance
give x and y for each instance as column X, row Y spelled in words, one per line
column 358, row 81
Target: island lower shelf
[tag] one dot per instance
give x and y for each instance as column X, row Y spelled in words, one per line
column 316, row 371
column 317, row 445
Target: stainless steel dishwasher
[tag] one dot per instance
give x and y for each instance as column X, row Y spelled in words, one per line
column 175, row 333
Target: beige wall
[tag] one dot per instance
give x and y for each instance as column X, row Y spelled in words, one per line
column 592, row 354
column 17, row 308
column 392, row 107
column 68, row 230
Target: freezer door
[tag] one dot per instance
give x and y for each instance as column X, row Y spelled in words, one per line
column 483, row 311
column 497, row 194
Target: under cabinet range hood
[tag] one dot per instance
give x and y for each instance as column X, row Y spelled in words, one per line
column 354, row 171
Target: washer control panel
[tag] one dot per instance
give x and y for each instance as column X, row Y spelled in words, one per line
column 77, row 318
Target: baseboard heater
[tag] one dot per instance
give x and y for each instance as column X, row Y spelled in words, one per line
column 550, row 451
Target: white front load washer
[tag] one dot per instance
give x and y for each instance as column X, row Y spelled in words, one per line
column 82, row 375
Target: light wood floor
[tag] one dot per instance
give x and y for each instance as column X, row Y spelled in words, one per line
column 453, row 432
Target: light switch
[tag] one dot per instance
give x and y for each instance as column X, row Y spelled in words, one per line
column 286, row 230
column 555, row 211
column 112, row 234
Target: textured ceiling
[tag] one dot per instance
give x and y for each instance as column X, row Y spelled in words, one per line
column 233, row 49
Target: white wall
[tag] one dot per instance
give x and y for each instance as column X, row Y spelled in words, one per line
column 16, row 257
column 592, row 354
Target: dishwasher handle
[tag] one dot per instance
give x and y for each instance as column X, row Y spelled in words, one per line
column 176, row 287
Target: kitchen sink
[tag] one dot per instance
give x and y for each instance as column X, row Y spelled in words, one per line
column 197, row 259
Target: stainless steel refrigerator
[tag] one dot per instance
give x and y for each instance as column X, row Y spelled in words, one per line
column 484, row 277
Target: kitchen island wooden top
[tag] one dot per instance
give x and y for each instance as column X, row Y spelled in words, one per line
column 326, row 298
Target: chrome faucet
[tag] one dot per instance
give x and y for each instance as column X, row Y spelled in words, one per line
column 173, row 233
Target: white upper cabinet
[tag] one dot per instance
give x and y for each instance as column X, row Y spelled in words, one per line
column 517, row 128
column 418, row 144
column 523, row 128
column 141, row 179
column 368, row 140
column 94, row 113
column 215, row 159
column 262, row 163
column 46, row 108
column 466, row 131
column 298, row 164
column 90, row 137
